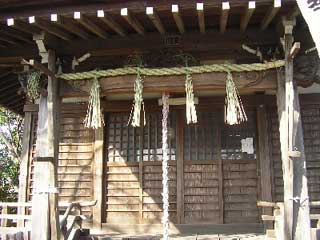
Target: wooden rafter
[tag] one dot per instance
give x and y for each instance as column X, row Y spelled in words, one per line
column 247, row 15
column 155, row 19
column 224, row 16
column 126, row 14
column 50, row 28
column 112, row 24
column 15, row 34
column 91, row 26
column 70, row 26
column 25, row 27
column 177, row 18
column 3, row 44
column 9, row 40
column 201, row 20
column 272, row 12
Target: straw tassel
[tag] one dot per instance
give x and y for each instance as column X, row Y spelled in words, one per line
column 135, row 115
column 191, row 113
column 234, row 111
column 94, row 117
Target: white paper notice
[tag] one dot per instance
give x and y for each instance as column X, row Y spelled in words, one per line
column 247, row 145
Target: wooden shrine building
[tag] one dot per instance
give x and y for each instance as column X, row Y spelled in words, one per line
column 218, row 173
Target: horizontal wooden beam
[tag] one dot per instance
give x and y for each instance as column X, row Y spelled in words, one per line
column 177, row 18
column 126, row 14
column 115, row 6
column 155, row 19
column 206, row 81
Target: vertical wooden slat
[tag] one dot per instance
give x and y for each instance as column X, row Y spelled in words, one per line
column 190, row 142
column 180, row 166
column 220, row 176
column 156, row 137
column 98, row 179
column 149, row 135
column 128, row 143
column 264, row 157
column 24, row 165
column 196, row 142
column 121, row 132
column 141, row 173
column 114, row 137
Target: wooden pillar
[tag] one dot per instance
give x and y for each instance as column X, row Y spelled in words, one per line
column 180, row 167
column 264, row 154
column 264, row 157
column 98, row 179
column 296, row 203
column 24, row 165
column 45, row 223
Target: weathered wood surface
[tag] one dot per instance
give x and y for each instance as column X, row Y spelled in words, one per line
column 252, row 81
column 24, row 165
column 296, row 218
column 265, row 162
column 45, row 204
column 98, row 178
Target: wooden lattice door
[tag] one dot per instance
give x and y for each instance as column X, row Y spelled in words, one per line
column 220, row 173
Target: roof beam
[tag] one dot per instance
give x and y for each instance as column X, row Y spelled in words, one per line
column 50, row 28
column 91, row 26
column 200, row 11
column 15, row 34
column 177, row 18
column 8, row 40
column 247, row 16
column 105, row 18
column 224, row 16
column 125, row 13
column 270, row 14
column 24, row 27
column 155, row 19
column 68, row 25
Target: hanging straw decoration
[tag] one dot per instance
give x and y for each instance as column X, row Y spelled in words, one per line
column 135, row 115
column 191, row 113
column 94, row 117
column 34, row 85
column 234, row 111
column 165, row 158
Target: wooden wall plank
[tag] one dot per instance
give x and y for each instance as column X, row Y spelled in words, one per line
column 264, row 157
column 25, row 161
column 98, row 179
column 180, row 167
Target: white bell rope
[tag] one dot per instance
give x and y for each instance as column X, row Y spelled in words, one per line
column 165, row 158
